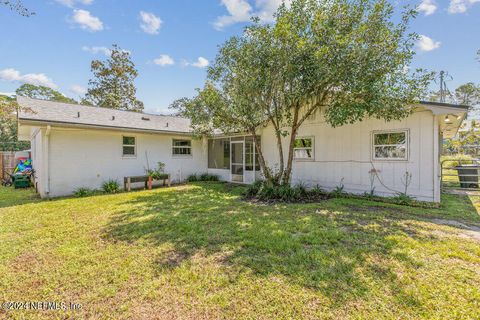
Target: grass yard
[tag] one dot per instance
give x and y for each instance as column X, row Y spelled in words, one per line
column 200, row 252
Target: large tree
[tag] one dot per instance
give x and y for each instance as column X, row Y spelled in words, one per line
column 8, row 126
column 468, row 94
column 113, row 83
column 346, row 58
column 43, row 93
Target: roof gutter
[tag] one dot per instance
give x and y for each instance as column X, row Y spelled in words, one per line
column 27, row 121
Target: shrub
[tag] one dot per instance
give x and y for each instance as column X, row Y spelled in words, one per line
column 301, row 190
column 253, row 189
column 202, row 177
column 208, row 177
column 84, row 192
column 192, row 178
column 110, row 186
column 268, row 191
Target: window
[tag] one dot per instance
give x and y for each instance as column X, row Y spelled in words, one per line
column 219, row 153
column 182, row 147
column 129, row 147
column 303, row 149
column 390, row 145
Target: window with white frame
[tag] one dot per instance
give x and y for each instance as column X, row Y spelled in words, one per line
column 181, row 147
column 390, row 145
column 129, row 146
column 303, row 148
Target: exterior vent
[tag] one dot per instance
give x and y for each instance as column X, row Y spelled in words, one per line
column 78, row 114
column 145, row 119
column 167, row 125
column 113, row 118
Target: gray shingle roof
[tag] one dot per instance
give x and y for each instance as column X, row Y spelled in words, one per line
column 73, row 114
column 443, row 104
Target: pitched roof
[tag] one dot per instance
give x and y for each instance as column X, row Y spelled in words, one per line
column 448, row 105
column 80, row 115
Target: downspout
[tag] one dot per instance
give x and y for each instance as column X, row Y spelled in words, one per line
column 47, row 161
column 437, row 170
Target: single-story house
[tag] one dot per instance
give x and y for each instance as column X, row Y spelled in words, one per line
column 77, row 146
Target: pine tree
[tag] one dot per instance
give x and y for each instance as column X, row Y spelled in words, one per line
column 113, row 83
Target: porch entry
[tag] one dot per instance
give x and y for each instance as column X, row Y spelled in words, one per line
column 236, row 158
column 237, row 161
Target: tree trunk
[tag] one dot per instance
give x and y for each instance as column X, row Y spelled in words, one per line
column 263, row 167
column 293, row 134
column 280, row 151
column 296, row 123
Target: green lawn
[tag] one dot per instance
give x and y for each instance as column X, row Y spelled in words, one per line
column 200, row 252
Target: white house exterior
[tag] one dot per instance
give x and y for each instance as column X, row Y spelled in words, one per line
column 79, row 146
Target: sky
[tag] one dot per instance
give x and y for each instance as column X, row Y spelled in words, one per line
column 172, row 42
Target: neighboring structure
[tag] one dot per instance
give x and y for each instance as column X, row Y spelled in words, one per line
column 77, row 146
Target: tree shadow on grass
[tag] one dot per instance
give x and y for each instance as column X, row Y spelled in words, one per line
column 335, row 252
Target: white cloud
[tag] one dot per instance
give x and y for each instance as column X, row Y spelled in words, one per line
column 150, row 22
column 86, row 21
column 164, row 60
column 267, row 8
column 200, row 63
column 101, row 50
column 460, row 6
column 428, row 7
column 425, row 43
column 239, row 11
column 97, row 50
column 242, row 11
column 39, row 79
column 78, row 90
column 71, row 3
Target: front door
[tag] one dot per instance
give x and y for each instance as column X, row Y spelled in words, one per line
column 237, row 167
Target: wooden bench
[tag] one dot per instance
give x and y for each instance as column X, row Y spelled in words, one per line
column 127, row 181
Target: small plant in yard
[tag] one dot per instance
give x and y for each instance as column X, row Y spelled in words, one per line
column 84, row 192
column 111, row 186
column 338, row 191
column 158, row 173
column 406, row 181
column 403, row 199
column 372, row 174
column 318, row 191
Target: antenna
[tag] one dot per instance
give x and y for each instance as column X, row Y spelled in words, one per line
column 443, row 85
